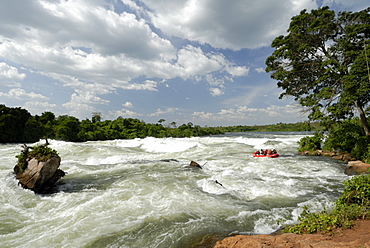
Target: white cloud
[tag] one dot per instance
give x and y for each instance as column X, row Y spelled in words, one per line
column 244, row 115
column 37, row 107
column 193, row 61
column 238, row 71
column 124, row 113
column 22, row 95
column 66, row 47
column 9, row 76
column 259, row 70
column 215, row 21
column 166, row 111
column 79, row 109
column 128, row 104
column 216, row 91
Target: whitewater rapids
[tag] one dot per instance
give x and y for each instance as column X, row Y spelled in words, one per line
column 142, row 193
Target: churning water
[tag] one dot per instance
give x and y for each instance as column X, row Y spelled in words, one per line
column 132, row 193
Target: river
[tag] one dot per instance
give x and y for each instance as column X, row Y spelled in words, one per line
column 142, row 193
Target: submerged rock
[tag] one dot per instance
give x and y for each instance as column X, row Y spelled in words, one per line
column 195, row 164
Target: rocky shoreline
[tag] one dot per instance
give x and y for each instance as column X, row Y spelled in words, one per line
column 354, row 167
column 358, row 236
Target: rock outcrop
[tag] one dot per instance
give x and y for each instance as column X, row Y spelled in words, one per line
column 344, row 156
column 356, row 167
column 38, row 172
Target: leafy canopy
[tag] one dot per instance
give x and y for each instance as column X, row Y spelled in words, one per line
column 322, row 63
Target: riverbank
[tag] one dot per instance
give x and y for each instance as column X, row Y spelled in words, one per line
column 358, row 236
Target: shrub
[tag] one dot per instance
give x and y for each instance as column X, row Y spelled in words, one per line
column 42, row 153
column 310, row 143
column 356, row 191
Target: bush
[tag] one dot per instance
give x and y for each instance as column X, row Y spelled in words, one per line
column 310, row 143
column 349, row 136
column 356, row 191
column 42, row 153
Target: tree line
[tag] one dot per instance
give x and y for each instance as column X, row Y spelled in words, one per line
column 17, row 125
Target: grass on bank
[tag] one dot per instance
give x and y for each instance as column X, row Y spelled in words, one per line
column 353, row 204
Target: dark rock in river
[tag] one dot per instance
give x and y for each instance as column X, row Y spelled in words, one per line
column 195, row 164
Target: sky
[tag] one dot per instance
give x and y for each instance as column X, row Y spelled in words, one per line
column 182, row 61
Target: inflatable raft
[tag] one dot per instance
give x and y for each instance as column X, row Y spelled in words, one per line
column 258, row 155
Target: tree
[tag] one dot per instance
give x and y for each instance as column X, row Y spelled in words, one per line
column 321, row 62
column 173, row 124
column 96, row 117
column 12, row 124
column 67, row 128
column 161, row 121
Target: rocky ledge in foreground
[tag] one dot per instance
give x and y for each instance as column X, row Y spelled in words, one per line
column 358, row 236
column 38, row 170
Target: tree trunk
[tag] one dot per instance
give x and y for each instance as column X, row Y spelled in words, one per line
column 364, row 122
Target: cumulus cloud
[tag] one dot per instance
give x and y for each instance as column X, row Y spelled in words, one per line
column 22, row 95
column 237, row 71
column 216, row 91
column 128, row 104
column 216, row 26
column 9, row 76
column 66, row 46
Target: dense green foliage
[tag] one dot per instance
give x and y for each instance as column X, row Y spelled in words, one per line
column 32, row 128
column 311, row 143
column 353, row 204
column 323, row 63
column 348, row 136
column 345, row 136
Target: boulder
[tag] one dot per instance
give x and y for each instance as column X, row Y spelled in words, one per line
column 39, row 176
column 356, row 167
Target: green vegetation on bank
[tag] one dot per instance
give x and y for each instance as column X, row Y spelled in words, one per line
column 18, row 125
column 353, row 204
column 345, row 136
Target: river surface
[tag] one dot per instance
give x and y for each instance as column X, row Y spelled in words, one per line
column 121, row 193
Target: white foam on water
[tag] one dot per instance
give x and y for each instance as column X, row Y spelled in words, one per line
column 168, row 145
column 121, row 194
